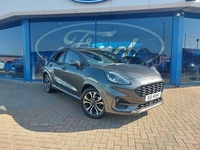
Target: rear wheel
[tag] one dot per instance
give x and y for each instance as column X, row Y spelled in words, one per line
column 92, row 103
column 47, row 84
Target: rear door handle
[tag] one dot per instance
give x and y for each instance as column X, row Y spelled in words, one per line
column 51, row 65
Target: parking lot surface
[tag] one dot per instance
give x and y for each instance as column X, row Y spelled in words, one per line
column 35, row 120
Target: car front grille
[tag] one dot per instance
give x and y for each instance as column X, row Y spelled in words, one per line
column 149, row 89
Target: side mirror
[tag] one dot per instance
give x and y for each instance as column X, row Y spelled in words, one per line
column 75, row 63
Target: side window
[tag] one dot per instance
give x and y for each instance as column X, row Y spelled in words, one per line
column 71, row 56
column 59, row 57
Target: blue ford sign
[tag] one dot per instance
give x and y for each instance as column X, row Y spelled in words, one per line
column 88, row 1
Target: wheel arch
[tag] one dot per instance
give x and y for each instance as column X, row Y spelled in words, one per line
column 90, row 83
column 44, row 73
column 98, row 87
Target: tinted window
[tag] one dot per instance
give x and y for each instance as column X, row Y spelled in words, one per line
column 71, row 56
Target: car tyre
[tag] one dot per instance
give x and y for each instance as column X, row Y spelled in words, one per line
column 47, row 84
column 92, row 103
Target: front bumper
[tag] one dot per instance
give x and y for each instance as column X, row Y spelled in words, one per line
column 135, row 109
column 132, row 100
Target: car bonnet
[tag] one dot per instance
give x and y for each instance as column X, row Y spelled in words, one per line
column 130, row 71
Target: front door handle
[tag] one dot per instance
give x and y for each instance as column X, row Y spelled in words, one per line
column 64, row 68
column 51, row 65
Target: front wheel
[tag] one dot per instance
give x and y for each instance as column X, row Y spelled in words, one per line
column 47, row 84
column 92, row 103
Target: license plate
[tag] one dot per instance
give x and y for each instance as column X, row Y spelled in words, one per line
column 152, row 96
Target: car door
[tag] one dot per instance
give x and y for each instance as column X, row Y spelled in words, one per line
column 71, row 77
column 56, row 66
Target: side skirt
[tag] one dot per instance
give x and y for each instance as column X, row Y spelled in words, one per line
column 56, row 87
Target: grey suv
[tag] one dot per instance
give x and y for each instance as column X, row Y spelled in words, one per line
column 103, row 81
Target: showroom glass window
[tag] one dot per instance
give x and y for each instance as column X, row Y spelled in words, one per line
column 191, row 51
column 79, row 32
column 11, row 52
column 139, row 40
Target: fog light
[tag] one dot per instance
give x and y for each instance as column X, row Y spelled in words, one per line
column 121, row 104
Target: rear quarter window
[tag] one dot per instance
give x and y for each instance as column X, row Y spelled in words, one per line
column 59, row 57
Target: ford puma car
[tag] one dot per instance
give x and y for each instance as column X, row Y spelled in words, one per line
column 103, row 82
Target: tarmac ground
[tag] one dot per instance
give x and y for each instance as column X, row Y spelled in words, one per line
column 32, row 119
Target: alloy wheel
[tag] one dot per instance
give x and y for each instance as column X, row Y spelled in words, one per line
column 93, row 104
column 47, row 84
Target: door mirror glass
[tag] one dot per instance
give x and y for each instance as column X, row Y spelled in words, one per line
column 75, row 63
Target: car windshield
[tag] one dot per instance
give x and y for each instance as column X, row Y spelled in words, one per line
column 101, row 58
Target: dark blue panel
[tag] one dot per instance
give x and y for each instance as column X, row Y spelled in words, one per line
column 192, row 15
column 177, row 42
column 26, row 50
column 10, row 25
column 134, row 15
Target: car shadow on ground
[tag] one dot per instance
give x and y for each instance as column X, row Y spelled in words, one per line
column 34, row 109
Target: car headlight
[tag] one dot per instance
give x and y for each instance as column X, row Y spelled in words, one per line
column 116, row 78
column 155, row 70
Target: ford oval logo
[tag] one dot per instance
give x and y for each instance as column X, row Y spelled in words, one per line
column 88, row 1
column 109, row 38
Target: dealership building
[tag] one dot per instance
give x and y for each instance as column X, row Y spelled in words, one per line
column 161, row 33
